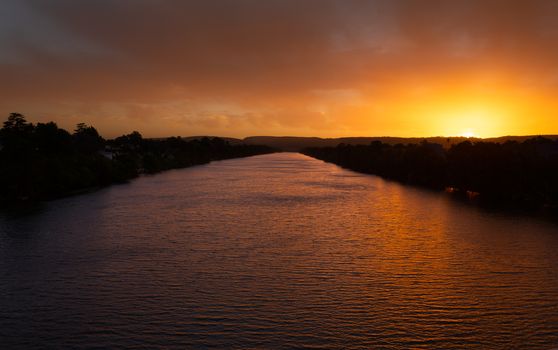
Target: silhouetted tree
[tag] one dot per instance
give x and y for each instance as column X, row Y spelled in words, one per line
column 523, row 173
column 87, row 139
column 44, row 161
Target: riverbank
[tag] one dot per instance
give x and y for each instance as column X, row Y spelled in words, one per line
column 516, row 175
column 41, row 162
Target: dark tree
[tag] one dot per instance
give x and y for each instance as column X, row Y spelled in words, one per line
column 87, row 139
column 44, row 161
column 523, row 174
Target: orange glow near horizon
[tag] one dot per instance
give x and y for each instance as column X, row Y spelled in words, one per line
column 498, row 111
column 447, row 113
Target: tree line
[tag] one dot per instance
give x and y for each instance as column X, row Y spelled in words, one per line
column 515, row 173
column 42, row 161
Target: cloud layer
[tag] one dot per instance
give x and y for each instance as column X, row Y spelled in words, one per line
column 313, row 67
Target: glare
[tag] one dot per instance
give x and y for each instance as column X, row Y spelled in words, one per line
column 468, row 134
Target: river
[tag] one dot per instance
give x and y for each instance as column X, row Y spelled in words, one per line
column 276, row 251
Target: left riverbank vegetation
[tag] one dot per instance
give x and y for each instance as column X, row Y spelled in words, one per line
column 517, row 174
column 42, row 161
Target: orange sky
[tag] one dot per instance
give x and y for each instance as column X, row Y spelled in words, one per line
column 308, row 68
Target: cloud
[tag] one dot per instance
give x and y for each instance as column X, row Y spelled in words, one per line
column 315, row 66
column 25, row 32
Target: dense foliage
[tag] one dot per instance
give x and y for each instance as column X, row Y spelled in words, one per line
column 44, row 161
column 517, row 173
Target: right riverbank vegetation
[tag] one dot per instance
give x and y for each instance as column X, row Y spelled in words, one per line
column 42, row 161
column 518, row 174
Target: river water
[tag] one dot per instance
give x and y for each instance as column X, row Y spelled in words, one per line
column 276, row 251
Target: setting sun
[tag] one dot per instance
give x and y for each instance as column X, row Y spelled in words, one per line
column 468, row 134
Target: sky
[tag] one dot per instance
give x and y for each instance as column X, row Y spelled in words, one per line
column 283, row 67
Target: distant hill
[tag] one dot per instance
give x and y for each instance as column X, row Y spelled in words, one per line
column 517, row 138
column 293, row 143
column 231, row 140
column 296, row 143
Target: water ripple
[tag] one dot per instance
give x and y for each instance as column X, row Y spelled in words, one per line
column 277, row 251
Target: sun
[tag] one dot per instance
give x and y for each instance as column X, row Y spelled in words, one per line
column 468, row 118
column 468, row 134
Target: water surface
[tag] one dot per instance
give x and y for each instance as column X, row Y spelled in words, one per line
column 275, row 251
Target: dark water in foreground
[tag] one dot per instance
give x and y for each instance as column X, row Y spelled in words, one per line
column 276, row 251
